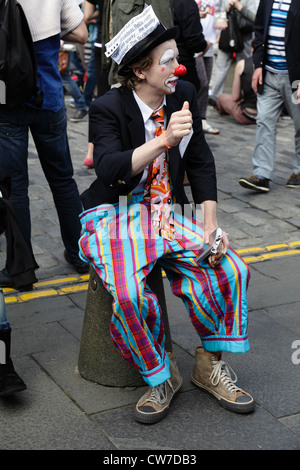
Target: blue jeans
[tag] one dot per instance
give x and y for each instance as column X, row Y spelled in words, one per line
column 3, row 322
column 91, row 81
column 74, row 90
column 49, row 132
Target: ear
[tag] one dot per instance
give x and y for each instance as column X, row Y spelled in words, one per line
column 139, row 73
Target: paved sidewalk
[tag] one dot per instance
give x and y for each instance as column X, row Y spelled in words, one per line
column 61, row 410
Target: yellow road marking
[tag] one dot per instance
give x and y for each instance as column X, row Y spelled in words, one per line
column 73, row 289
column 278, row 254
column 36, row 295
column 268, row 247
column 81, row 281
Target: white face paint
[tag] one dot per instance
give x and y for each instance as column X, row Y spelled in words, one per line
column 167, row 57
column 166, row 60
column 171, row 83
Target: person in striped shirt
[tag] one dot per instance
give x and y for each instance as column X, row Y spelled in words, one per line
column 276, row 77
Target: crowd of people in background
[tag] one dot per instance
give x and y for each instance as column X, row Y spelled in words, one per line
column 207, row 66
column 257, row 98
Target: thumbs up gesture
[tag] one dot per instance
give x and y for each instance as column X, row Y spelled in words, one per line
column 180, row 125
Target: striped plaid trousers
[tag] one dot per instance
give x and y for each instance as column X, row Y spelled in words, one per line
column 122, row 246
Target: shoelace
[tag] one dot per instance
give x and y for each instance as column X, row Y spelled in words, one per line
column 221, row 372
column 159, row 392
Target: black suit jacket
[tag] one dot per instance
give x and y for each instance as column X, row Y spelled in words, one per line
column 292, row 48
column 117, row 128
column 190, row 36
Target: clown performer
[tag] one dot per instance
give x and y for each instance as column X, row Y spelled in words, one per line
column 147, row 133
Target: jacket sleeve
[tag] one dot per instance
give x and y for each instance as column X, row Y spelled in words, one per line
column 112, row 159
column 187, row 18
column 259, row 46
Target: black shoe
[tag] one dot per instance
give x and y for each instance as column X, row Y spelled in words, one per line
column 212, row 101
column 255, row 183
column 80, row 266
column 293, row 181
column 78, row 116
column 10, row 382
column 6, row 280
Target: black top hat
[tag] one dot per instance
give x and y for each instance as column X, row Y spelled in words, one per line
column 140, row 49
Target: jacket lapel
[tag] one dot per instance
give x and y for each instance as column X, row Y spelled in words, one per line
column 135, row 120
column 267, row 15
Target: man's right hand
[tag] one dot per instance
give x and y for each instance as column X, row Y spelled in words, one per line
column 180, row 124
column 257, row 78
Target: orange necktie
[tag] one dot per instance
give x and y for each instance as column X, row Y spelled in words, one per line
column 158, row 188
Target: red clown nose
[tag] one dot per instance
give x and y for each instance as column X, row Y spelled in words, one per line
column 180, row 71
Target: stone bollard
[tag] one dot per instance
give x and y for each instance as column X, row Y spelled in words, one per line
column 99, row 361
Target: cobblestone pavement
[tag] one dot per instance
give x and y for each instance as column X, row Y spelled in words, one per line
column 61, row 410
column 252, row 220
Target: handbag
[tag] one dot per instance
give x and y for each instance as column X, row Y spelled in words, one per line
column 231, row 39
column 246, row 26
column 63, row 60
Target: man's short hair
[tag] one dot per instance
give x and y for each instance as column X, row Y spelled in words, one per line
column 129, row 78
